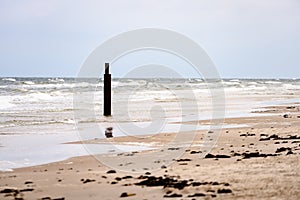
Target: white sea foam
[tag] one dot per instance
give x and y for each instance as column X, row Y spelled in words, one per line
column 9, row 79
column 28, row 82
column 232, row 83
column 291, row 86
column 5, row 102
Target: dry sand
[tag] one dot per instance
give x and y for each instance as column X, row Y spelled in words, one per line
column 260, row 161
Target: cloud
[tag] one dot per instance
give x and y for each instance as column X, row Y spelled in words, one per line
column 235, row 33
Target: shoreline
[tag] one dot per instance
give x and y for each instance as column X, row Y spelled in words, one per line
column 263, row 113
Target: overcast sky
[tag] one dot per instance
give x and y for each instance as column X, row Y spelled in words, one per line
column 246, row 38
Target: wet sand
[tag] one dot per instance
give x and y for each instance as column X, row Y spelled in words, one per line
column 260, row 161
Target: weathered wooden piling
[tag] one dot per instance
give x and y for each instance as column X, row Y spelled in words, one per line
column 107, row 92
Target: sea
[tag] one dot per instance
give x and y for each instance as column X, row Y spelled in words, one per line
column 38, row 116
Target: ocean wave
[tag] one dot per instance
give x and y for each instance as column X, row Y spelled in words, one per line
column 291, row 86
column 6, row 102
column 252, row 83
column 232, row 83
column 34, row 122
column 56, row 80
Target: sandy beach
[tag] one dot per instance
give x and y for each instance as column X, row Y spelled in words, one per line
column 150, row 100
column 259, row 161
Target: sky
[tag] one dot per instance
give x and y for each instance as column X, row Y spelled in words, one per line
column 245, row 39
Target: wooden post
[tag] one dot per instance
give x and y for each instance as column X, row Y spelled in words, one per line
column 107, row 92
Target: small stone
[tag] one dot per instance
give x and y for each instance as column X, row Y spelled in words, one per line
column 184, row 160
column 46, row 198
column 111, row 171
column 195, row 152
column 209, row 156
column 289, row 152
column 285, row 116
column 127, row 177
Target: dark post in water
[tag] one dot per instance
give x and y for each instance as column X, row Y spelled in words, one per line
column 107, row 92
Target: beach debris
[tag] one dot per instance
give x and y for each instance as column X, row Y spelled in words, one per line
column 290, row 107
column 282, row 149
column 267, row 137
column 286, row 116
column 109, row 132
column 183, row 160
column 256, row 155
column 152, row 181
column 217, row 156
column 9, row 190
column 276, row 137
column 15, row 192
column 247, row 134
column 197, row 195
column 174, row 195
column 27, row 190
column 125, row 194
column 182, row 164
column 173, row 148
column 84, row 181
column 28, row 182
column 127, row 177
column 172, row 182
